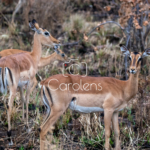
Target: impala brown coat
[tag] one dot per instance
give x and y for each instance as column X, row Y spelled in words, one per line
column 59, row 93
column 19, row 69
column 44, row 61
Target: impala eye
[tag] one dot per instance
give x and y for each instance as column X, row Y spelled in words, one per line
column 46, row 33
column 63, row 55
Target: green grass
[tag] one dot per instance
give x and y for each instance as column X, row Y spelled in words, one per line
column 21, row 148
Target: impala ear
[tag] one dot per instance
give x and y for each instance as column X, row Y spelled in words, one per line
column 34, row 25
column 146, row 53
column 124, row 50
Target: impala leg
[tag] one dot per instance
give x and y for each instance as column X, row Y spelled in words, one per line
column 34, row 84
column 116, row 130
column 27, row 102
column 107, row 120
column 48, row 124
column 9, row 112
column 23, row 100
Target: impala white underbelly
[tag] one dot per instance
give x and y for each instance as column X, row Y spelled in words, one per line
column 22, row 83
column 26, row 76
column 121, row 109
column 83, row 109
column 89, row 103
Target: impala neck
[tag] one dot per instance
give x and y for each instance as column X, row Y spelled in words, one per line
column 44, row 61
column 132, row 85
column 37, row 49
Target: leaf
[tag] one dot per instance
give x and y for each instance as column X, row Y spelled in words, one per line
column 98, row 28
column 107, row 8
column 2, row 140
column 85, row 37
column 145, row 23
column 128, row 11
column 95, row 48
column 131, row 1
column 138, row 27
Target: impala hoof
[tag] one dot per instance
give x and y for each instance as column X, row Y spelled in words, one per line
column 11, row 143
column 28, row 130
column 26, row 127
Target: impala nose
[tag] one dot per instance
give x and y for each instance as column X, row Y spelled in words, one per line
column 132, row 71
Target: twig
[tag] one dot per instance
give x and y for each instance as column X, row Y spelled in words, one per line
column 106, row 23
column 146, row 33
column 68, row 138
column 140, row 34
column 5, row 18
column 76, row 43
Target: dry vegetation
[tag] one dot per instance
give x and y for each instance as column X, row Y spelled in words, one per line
column 69, row 21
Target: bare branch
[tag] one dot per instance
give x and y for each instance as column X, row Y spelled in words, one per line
column 128, row 28
column 76, row 43
column 146, row 33
column 140, row 34
column 106, row 23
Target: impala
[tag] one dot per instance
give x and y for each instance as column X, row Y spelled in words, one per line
column 44, row 61
column 111, row 97
column 19, row 69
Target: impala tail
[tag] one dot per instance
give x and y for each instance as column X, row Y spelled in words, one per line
column 5, row 79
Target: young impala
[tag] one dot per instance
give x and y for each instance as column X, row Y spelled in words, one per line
column 91, row 94
column 44, row 61
column 19, row 69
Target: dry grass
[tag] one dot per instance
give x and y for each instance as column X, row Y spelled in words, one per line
column 74, row 131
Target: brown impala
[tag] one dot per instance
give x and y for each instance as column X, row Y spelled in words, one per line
column 91, row 94
column 19, row 69
column 44, row 61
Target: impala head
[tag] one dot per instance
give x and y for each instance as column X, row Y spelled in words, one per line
column 135, row 58
column 61, row 55
column 45, row 37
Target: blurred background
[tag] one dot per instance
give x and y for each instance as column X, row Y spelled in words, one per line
column 71, row 21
